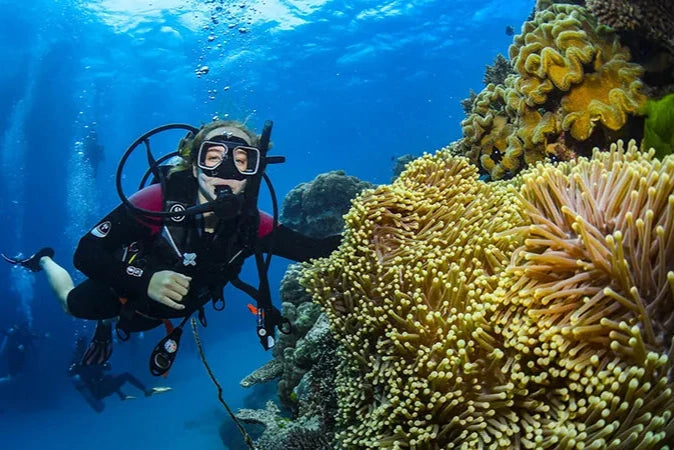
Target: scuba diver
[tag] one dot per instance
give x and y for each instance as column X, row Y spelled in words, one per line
column 92, row 149
column 17, row 345
column 92, row 381
column 171, row 247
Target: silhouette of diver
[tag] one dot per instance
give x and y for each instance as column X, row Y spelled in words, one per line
column 93, row 151
column 92, row 381
column 18, row 344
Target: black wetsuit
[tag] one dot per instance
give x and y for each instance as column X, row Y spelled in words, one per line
column 115, row 273
column 94, row 384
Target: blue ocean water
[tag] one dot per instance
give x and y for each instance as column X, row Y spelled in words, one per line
column 350, row 85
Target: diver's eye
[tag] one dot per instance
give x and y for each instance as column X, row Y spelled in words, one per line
column 213, row 158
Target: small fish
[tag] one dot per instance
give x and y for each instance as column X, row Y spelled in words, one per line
column 509, row 30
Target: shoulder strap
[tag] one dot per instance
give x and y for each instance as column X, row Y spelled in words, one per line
column 268, row 316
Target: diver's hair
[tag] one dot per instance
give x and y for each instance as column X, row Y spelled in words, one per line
column 188, row 145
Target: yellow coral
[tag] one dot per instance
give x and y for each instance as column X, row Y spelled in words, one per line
column 605, row 97
column 572, row 77
column 551, row 51
column 488, row 127
column 403, row 295
column 473, row 315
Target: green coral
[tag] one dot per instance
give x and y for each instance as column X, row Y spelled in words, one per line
column 659, row 126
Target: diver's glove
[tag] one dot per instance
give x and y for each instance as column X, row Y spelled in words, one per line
column 100, row 347
column 31, row 263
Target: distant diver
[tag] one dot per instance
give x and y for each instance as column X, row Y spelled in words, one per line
column 92, row 381
column 509, row 30
column 17, row 345
column 93, row 150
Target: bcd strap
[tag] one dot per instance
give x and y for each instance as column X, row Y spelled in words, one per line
column 269, row 317
column 202, row 316
column 122, row 334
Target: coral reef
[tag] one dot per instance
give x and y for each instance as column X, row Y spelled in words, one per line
column 651, row 18
column 574, row 86
column 270, row 371
column 498, row 72
column 400, row 164
column 291, row 289
column 494, row 74
column 299, row 354
column 304, row 359
column 467, row 103
column 416, row 259
column 316, row 207
column 534, row 313
column 281, row 433
column 316, row 393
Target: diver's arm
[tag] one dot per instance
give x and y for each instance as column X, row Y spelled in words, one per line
column 95, row 253
column 295, row 246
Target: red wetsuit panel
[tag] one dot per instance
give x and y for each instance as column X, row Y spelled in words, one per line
column 150, row 198
column 266, row 224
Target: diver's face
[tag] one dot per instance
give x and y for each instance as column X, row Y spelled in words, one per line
column 215, row 153
column 208, row 184
column 213, row 157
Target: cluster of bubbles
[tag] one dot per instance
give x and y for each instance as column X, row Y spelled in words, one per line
column 227, row 23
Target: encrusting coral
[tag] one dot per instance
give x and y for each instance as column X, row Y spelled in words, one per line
column 573, row 82
column 534, row 313
column 316, row 207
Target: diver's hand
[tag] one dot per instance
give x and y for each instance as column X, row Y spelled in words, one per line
column 168, row 287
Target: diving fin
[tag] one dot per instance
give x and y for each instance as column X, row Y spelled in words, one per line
column 31, row 263
column 100, row 347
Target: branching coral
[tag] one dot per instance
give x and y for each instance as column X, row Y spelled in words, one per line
column 497, row 73
column 653, row 18
column 473, row 315
column 573, row 80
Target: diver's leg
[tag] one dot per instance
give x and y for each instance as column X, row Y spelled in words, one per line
column 95, row 301
column 122, row 395
column 90, row 396
column 59, row 280
column 120, row 380
column 128, row 378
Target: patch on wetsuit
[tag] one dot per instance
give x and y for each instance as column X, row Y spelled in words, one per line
column 102, row 229
column 177, row 207
column 134, row 271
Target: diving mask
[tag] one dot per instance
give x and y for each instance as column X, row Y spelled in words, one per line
column 228, row 158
